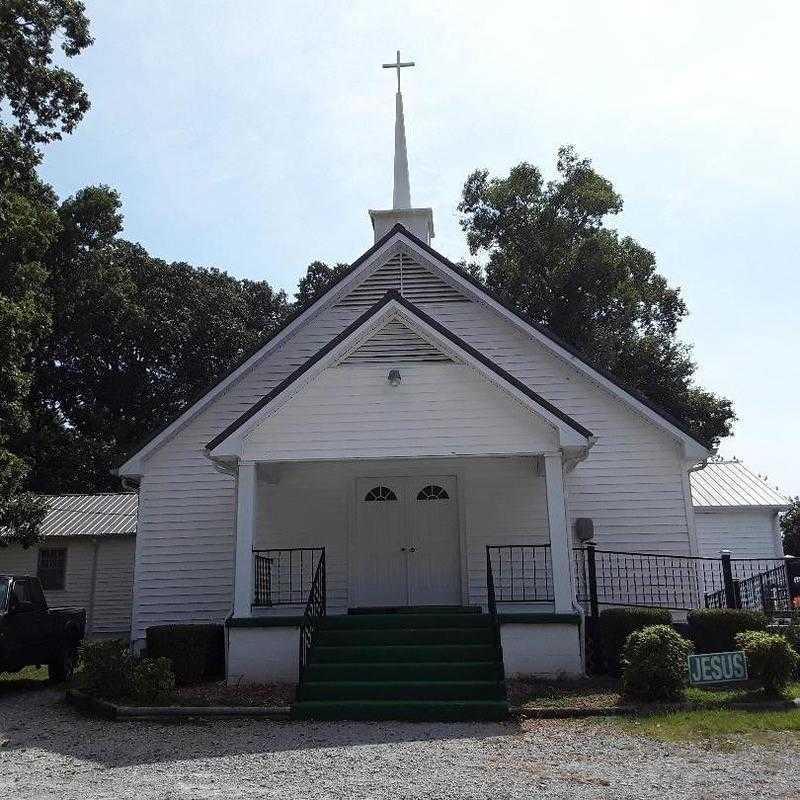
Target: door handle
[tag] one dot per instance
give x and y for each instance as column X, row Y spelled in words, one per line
column 412, row 549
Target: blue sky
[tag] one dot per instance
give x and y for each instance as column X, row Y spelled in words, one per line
column 254, row 136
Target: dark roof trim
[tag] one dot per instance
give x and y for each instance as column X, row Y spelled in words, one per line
column 353, row 327
column 554, row 337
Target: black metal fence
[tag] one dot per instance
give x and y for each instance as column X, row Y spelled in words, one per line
column 522, row 573
column 681, row 583
column 284, row 576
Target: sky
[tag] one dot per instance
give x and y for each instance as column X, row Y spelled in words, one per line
column 253, row 136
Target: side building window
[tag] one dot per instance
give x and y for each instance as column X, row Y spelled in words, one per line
column 52, row 568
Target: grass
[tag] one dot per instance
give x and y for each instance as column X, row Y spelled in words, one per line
column 714, row 726
column 24, row 680
column 598, row 692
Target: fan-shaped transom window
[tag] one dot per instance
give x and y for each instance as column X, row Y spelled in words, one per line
column 433, row 493
column 380, row 494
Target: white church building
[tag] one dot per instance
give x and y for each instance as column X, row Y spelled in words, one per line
column 357, row 467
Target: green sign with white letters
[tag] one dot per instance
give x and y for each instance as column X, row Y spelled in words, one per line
column 717, row 667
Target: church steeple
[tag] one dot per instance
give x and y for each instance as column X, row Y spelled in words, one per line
column 418, row 221
column 401, row 198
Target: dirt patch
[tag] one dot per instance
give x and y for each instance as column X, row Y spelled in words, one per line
column 219, row 694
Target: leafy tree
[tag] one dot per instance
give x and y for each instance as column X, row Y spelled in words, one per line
column 790, row 527
column 133, row 340
column 28, row 223
column 550, row 255
column 45, row 100
column 38, row 102
column 318, row 279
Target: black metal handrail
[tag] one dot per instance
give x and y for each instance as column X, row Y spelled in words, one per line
column 491, row 605
column 315, row 610
column 283, row 576
column 524, row 573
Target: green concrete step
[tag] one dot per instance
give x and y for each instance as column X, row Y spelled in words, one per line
column 416, row 610
column 427, row 671
column 401, row 690
column 419, row 710
column 394, row 654
column 396, row 636
column 360, row 621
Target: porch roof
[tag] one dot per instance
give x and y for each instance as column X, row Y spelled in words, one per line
column 394, row 300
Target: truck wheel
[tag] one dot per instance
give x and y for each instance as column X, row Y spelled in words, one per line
column 63, row 668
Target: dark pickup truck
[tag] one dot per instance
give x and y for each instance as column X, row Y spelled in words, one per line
column 32, row 634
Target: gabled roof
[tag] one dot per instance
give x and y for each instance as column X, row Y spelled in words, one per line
column 650, row 409
column 730, row 484
column 90, row 514
column 394, row 297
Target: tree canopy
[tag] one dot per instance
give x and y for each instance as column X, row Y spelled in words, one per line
column 790, row 528
column 133, row 340
column 549, row 253
column 38, row 102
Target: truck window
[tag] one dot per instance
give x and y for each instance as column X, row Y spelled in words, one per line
column 36, row 594
column 21, row 592
column 3, row 593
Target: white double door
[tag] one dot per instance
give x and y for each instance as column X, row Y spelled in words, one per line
column 406, row 545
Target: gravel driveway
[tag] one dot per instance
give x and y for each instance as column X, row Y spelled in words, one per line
column 47, row 750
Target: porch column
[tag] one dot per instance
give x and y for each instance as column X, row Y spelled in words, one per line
column 246, row 499
column 560, row 540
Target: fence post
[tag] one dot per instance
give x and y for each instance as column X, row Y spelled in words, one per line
column 595, row 662
column 591, row 567
column 792, row 574
column 727, row 577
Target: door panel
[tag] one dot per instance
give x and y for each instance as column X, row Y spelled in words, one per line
column 434, row 564
column 406, row 549
column 380, row 568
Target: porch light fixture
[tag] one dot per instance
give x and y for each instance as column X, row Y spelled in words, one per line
column 394, row 377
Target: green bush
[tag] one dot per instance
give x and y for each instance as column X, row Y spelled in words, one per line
column 151, row 679
column 792, row 635
column 714, row 630
column 654, row 664
column 770, row 659
column 104, row 669
column 108, row 669
column 197, row 652
column 616, row 624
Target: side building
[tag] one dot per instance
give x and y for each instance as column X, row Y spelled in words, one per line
column 85, row 559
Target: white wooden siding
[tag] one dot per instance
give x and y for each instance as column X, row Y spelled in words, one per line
column 113, row 594
column 112, row 603
column 438, row 410
column 747, row 534
column 501, row 501
column 630, row 485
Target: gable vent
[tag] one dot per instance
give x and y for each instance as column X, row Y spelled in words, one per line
column 409, row 277
column 395, row 342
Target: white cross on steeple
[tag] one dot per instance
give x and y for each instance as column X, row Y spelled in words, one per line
column 398, row 65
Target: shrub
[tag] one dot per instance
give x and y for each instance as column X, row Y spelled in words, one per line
column 770, row 659
column 197, row 652
column 104, row 669
column 616, row 624
column 151, row 679
column 792, row 635
column 713, row 630
column 109, row 669
column 654, row 664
